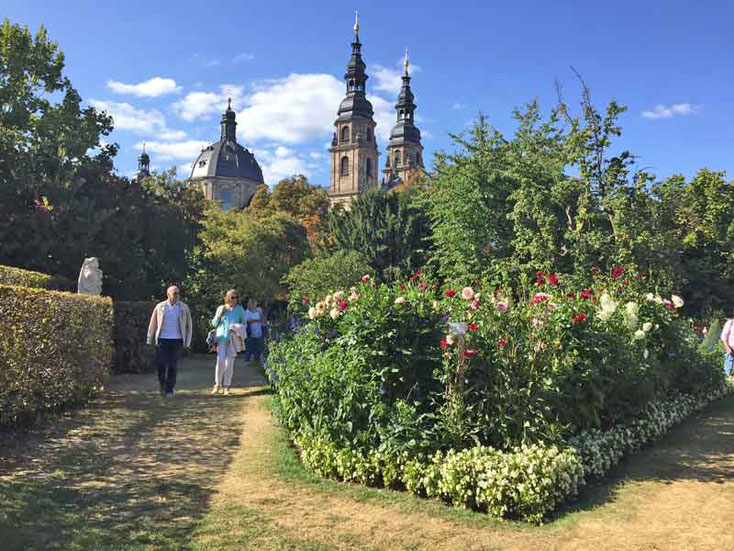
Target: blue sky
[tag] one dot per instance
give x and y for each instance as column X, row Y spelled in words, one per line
column 164, row 69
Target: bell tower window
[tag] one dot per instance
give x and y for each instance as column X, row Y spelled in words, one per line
column 345, row 134
column 369, row 167
column 397, row 158
column 344, row 168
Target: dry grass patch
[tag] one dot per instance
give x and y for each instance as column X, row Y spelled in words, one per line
column 676, row 495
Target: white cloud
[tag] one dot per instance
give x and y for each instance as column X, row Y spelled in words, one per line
column 389, row 80
column 244, row 56
column 127, row 117
column 147, row 122
column 151, row 88
column 172, row 135
column 291, row 110
column 458, row 106
column 663, row 112
column 202, row 105
column 279, row 162
column 164, row 151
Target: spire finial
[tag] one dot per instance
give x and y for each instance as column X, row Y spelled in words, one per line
column 406, row 62
column 356, row 22
column 143, row 146
column 229, row 104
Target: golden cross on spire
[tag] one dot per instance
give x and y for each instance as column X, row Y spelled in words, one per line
column 406, row 62
column 356, row 22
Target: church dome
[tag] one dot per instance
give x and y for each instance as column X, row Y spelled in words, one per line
column 227, row 159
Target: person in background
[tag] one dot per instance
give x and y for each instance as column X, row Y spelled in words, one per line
column 170, row 329
column 727, row 338
column 228, row 314
column 255, row 320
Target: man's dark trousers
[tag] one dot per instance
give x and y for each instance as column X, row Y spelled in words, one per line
column 166, row 359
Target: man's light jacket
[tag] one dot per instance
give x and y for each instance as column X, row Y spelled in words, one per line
column 184, row 323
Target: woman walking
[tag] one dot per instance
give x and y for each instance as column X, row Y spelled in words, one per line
column 225, row 320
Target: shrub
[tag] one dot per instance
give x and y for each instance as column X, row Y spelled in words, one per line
column 55, row 350
column 27, row 278
column 131, row 330
column 315, row 277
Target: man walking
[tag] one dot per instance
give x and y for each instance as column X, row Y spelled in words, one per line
column 170, row 329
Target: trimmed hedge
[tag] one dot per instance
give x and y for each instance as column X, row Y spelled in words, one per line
column 37, row 280
column 131, row 329
column 55, row 350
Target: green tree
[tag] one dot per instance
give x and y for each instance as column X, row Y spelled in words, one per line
column 389, row 229
column 298, row 198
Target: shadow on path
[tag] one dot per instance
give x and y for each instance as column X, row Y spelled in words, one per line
column 699, row 450
column 131, row 469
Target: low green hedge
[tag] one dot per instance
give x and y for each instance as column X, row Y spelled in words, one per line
column 55, row 350
column 131, row 329
column 27, row 278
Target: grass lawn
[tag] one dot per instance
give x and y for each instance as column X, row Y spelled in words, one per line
column 134, row 471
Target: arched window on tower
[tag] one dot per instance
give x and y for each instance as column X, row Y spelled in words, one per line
column 369, row 168
column 344, row 171
column 397, row 158
column 345, row 134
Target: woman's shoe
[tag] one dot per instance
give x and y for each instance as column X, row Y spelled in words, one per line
column 216, row 388
column 226, row 391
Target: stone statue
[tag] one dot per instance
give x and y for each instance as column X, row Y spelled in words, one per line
column 90, row 277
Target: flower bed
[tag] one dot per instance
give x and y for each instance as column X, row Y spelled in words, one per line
column 438, row 389
column 525, row 483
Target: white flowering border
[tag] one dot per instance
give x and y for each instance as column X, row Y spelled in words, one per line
column 600, row 451
column 527, row 482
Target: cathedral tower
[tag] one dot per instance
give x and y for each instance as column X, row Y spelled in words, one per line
column 404, row 152
column 354, row 147
column 143, row 166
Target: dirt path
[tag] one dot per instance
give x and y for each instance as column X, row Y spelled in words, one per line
column 678, row 495
column 131, row 470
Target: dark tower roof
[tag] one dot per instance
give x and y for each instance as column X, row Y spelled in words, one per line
column 143, row 166
column 405, row 130
column 226, row 158
column 228, row 123
column 355, row 104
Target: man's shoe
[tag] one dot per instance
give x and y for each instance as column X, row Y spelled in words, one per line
column 216, row 388
column 226, row 391
column 169, row 394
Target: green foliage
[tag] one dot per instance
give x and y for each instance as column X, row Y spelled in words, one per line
column 525, row 483
column 59, row 199
column 55, row 350
column 240, row 250
column 298, row 198
column 557, row 197
column 389, row 229
column 316, row 277
column 37, row 280
column 130, row 333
